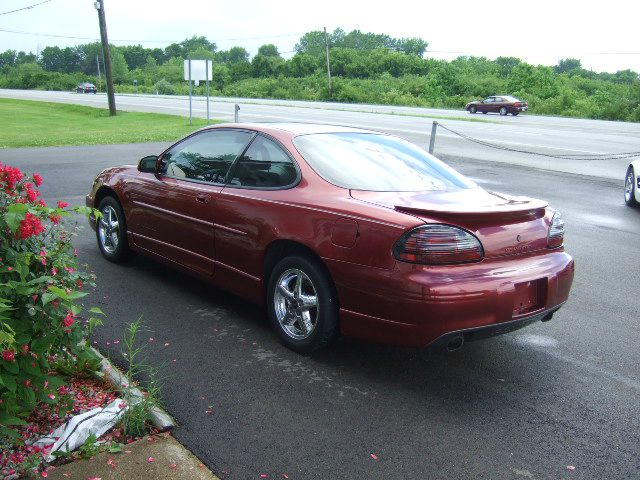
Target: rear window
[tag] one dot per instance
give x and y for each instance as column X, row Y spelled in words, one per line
column 375, row 162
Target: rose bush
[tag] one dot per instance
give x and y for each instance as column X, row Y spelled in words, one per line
column 40, row 285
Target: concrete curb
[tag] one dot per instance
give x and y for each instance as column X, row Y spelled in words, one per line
column 160, row 419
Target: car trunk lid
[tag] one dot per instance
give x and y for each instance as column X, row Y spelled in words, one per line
column 506, row 225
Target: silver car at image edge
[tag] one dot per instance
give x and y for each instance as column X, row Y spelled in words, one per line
column 632, row 184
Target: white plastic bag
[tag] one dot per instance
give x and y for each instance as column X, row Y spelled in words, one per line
column 75, row 432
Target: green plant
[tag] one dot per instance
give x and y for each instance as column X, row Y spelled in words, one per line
column 134, row 422
column 40, row 285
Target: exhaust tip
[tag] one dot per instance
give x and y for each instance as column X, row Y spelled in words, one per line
column 455, row 343
column 547, row 317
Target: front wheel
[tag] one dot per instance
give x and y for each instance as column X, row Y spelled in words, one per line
column 473, row 109
column 111, row 231
column 503, row 111
column 630, row 188
column 302, row 303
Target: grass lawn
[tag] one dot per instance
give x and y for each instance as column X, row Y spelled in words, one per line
column 26, row 123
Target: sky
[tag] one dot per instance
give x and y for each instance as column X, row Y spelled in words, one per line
column 604, row 36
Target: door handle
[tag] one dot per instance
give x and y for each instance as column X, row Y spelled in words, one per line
column 203, row 198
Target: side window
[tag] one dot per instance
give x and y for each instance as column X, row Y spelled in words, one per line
column 264, row 165
column 206, row 156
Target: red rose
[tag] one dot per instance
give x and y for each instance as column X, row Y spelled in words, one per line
column 37, row 179
column 31, row 225
column 68, row 320
column 8, row 355
column 62, row 204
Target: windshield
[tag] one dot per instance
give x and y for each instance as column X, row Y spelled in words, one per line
column 376, row 162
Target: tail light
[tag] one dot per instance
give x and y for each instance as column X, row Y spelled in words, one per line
column 438, row 245
column 555, row 238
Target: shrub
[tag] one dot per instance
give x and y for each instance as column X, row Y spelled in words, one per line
column 40, row 284
column 164, row 88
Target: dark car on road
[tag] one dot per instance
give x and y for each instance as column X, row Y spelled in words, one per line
column 86, row 88
column 339, row 230
column 502, row 104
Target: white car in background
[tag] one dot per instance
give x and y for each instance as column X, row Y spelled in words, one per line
column 632, row 185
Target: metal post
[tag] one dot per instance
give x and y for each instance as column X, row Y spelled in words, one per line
column 237, row 110
column 99, row 4
column 206, row 68
column 326, row 44
column 190, row 115
column 432, row 141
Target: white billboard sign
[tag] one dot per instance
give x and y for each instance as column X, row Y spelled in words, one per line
column 200, row 69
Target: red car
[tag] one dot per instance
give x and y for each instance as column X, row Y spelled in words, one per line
column 339, row 231
column 502, row 104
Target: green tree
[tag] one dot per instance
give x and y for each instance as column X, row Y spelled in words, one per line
column 135, row 55
column 412, row 46
column 568, row 65
column 7, row 59
column 55, row 59
column 506, row 65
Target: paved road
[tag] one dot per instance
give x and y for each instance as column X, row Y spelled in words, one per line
column 524, row 405
column 547, row 135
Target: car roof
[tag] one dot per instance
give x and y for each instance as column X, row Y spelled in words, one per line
column 297, row 128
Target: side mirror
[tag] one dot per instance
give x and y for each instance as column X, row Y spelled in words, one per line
column 148, row 164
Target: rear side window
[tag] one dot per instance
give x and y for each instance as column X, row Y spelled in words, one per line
column 367, row 161
column 264, row 165
column 206, row 156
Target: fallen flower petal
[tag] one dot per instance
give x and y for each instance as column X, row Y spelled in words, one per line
column 173, row 466
column 151, row 460
column 166, row 344
column 570, row 467
column 374, row 456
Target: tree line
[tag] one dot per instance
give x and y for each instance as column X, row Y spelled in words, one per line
column 366, row 67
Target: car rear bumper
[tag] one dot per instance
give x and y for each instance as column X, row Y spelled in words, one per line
column 416, row 305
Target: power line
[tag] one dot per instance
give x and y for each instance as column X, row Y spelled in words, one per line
column 21, row 32
column 574, row 54
column 24, row 8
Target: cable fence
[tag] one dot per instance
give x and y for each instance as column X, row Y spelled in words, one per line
column 562, row 156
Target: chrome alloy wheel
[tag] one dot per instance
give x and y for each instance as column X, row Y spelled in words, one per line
column 296, row 304
column 628, row 186
column 109, row 229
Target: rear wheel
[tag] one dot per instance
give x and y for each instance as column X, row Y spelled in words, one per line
column 503, row 112
column 302, row 303
column 473, row 109
column 111, row 231
column 630, row 188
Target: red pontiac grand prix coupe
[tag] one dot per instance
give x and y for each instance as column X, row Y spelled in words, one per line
column 339, row 230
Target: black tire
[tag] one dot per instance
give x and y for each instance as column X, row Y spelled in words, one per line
column 484, row 112
column 515, row 114
column 473, row 109
column 112, row 239
column 630, row 188
column 285, row 307
column 503, row 111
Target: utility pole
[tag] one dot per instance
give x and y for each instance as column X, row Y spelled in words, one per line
column 99, row 77
column 326, row 44
column 99, row 4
